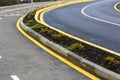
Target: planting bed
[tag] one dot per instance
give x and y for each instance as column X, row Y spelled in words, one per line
column 98, row 56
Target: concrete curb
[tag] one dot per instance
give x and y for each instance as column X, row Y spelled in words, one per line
column 116, row 8
column 75, row 59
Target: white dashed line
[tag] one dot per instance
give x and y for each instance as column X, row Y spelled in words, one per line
column 0, row 18
column 12, row 14
column 17, row 14
column 0, row 57
column 14, row 77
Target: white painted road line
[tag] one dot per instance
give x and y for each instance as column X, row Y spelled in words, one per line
column 92, row 17
column 18, row 12
column 0, row 57
column 14, row 77
column 0, row 18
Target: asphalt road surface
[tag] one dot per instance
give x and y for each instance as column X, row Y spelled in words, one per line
column 97, row 22
column 20, row 59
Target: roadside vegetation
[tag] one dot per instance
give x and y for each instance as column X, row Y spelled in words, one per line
column 7, row 2
column 98, row 56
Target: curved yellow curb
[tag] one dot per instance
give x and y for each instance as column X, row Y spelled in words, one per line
column 43, row 11
column 115, row 7
column 55, row 54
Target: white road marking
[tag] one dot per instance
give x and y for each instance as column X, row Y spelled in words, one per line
column 17, row 12
column 15, row 15
column 11, row 14
column 0, row 57
column 83, row 12
column 16, row 9
column 14, row 77
column 0, row 18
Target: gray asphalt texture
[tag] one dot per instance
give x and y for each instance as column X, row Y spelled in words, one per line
column 70, row 19
column 24, row 59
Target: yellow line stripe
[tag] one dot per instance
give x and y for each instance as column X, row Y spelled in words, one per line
column 55, row 54
column 115, row 7
column 89, row 43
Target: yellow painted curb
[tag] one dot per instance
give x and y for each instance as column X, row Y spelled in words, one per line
column 55, row 54
column 44, row 10
column 115, row 7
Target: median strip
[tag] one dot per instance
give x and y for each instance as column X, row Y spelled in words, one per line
column 23, row 27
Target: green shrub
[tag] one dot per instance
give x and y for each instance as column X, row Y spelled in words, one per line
column 46, row 30
column 31, row 23
column 35, row 26
column 112, row 60
column 75, row 46
column 7, row 2
column 30, row 16
column 58, row 35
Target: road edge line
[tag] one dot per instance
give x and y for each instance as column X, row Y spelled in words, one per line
column 115, row 7
column 0, row 57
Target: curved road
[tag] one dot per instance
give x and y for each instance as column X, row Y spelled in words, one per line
column 97, row 22
column 22, row 60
